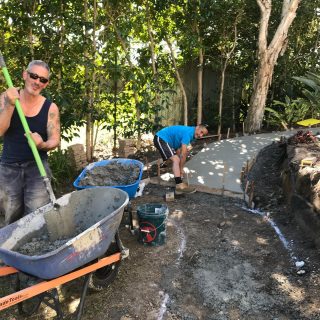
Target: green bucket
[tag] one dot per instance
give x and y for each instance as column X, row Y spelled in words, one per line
column 152, row 223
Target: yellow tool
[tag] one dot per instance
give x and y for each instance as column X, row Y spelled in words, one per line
column 308, row 122
column 308, row 162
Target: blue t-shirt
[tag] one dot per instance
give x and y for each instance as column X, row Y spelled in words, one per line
column 175, row 136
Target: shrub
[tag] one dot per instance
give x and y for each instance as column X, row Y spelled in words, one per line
column 287, row 113
column 63, row 170
column 312, row 91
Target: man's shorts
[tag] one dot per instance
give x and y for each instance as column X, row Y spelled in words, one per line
column 22, row 189
column 165, row 150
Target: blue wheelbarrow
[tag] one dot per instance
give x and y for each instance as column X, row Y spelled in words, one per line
column 130, row 188
column 85, row 225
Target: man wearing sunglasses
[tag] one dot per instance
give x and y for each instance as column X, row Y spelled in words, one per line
column 22, row 187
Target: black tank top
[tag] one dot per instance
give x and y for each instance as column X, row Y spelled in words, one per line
column 15, row 144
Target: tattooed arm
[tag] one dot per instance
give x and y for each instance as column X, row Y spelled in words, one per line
column 7, row 100
column 53, row 131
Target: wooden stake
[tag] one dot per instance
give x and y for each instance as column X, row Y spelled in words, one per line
column 147, row 165
column 209, row 136
column 250, row 204
column 158, row 163
column 223, row 177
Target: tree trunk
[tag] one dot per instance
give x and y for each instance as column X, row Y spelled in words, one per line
column 93, row 77
column 267, row 58
column 223, row 74
column 61, row 46
column 153, row 59
column 132, row 67
column 115, row 97
column 259, row 97
column 87, row 89
column 152, row 44
column 184, row 95
column 30, row 33
column 200, row 86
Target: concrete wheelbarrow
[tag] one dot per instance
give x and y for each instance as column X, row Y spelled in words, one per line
column 79, row 237
column 120, row 173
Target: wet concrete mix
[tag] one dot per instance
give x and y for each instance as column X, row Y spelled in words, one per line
column 113, row 174
column 41, row 245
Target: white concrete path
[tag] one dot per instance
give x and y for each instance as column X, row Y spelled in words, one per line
column 206, row 167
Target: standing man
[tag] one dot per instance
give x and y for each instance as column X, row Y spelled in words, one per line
column 172, row 144
column 22, row 187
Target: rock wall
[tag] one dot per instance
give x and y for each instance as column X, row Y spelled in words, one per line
column 301, row 187
column 283, row 180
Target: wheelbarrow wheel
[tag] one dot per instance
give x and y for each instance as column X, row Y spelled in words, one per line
column 102, row 278
column 31, row 305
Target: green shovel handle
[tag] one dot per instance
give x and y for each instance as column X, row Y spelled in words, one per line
column 23, row 120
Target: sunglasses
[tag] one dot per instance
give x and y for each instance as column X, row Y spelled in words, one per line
column 34, row 76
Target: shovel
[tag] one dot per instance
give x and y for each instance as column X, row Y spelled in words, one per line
column 27, row 132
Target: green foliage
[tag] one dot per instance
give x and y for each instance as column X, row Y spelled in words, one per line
column 54, row 31
column 312, row 93
column 287, row 113
column 63, row 170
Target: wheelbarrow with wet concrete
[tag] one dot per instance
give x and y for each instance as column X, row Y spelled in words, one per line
column 119, row 173
column 53, row 246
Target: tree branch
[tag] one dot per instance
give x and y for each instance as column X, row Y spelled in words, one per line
column 265, row 10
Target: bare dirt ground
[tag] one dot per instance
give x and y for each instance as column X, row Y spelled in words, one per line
column 221, row 261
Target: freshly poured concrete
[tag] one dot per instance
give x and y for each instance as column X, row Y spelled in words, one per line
column 206, row 168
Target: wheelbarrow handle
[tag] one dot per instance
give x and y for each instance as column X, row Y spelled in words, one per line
column 23, row 120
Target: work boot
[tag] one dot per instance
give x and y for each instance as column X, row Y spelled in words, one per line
column 183, row 188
